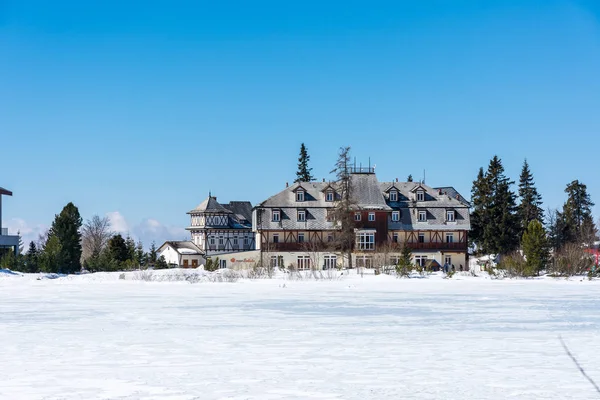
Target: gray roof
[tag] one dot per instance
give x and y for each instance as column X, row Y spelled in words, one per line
column 210, row 205
column 369, row 194
column 183, row 244
column 450, row 191
column 241, row 209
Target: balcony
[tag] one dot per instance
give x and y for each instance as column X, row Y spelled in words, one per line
column 438, row 246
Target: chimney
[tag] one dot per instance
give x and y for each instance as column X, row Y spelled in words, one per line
column 286, row 184
column 440, row 192
column 323, row 180
column 396, row 179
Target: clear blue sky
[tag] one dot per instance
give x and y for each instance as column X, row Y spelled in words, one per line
column 141, row 109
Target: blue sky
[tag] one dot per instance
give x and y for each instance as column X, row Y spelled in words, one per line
column 139, row 111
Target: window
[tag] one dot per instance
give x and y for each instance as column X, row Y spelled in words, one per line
column 221, row 241
column 420, row 195
column 330, row 262
column 393, row 195
column 421, row 238
column 276, row 238
column 303, row 263
column 364, row 262
column 301, row 216
column 395, row 237
column 235, row 240
column 365, row 241
column 450, row 215
column 329, row 195
column 301, row 238
column 394, row 260
column 421, row 260
column 276, row 215
column 357, row 216
column 222, row 264
column 211, row 240
column 246, row 240
column 395, row 216
column 300, row 195
column 422, row 216
column 449, row 238
column 448, row 260
column 330, row 237
column 329, row 215
column 276, row 261
column 371, row 216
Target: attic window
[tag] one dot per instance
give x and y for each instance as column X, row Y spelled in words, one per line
column 420, row 195
column 450, row 217
column 393, row 195
column 276, row 215
column 300, row 195
column 422, row 216
column 395, row 216
column 329, row 195
column 301, row 215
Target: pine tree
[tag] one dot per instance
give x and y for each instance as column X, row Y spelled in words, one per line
column 66, row 228
column 304, row 173
column 536, row 247
column 140, row 256
column 130, row 244
column 117, row 249
column 531, row 201
column 31, row 259
column 480, row 200
column 152, row 254
column 576, row 216
column 404, row 266
column 494, row 219
column 49, row 259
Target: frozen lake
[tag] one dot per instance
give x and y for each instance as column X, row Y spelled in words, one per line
column 358, row 338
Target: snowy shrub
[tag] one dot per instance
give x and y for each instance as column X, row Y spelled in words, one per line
column 515, row 266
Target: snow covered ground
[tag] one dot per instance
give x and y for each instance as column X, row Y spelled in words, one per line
column 100, row 337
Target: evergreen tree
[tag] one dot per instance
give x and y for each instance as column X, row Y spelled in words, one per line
column 49, row 259
column 530, row 207
column 480, row 200
column 494, row 218
column 140, row 256
column 161, row 263
column 576, row 216
column 304, row 173
column 152, row 254
column 409, row 179
column 536, row 248
column 66, row 228
column 131, row 249
column 117, row 249
column 404, row 266
column 31, row 259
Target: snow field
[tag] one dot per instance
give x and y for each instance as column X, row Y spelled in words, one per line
column 100, row 337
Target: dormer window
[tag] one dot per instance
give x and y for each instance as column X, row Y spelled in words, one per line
column 395, row 216
column 301, row 215
column 300, row 195
column 276, row 215
column 393, row 195
column 422, row 216
column 420, row 195
column 450, row 216
column 329, row 195
column 371, row 216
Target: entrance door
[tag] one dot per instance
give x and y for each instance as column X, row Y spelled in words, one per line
column 185, row 263
column 194, row 263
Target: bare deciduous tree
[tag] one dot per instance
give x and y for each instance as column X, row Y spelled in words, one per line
column 96, row 233
column 342, row 213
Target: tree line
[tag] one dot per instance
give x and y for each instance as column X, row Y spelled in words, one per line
column 71, row 246
column 515, row 226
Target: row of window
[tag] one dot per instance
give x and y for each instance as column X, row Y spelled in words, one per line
column 301, row 216
column 302, row 237
column 211, row 240
column 330, row 195
column 304, row 262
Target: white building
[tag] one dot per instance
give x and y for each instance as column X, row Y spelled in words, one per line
column 215, row 229
column 7, row 241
